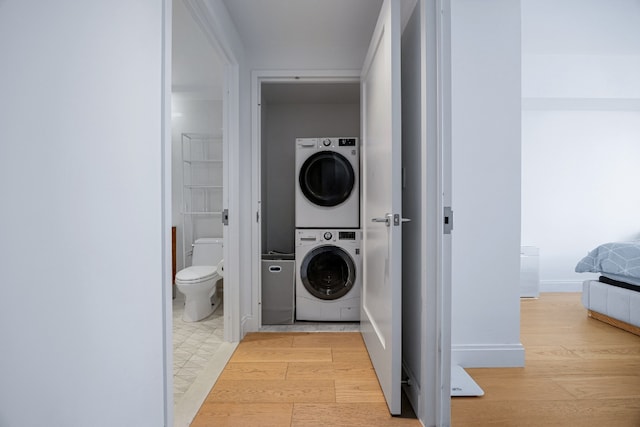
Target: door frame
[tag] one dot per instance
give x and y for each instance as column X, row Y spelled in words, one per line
column 442, row 315
column 209, row 23
column 432, row 398
column 437, row 314
column 253, row 322
column 166, row 143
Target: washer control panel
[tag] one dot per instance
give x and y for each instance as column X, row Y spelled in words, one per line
column 347, row 142
column 315, row 236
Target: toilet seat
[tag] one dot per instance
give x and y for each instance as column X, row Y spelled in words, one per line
column 196, row 274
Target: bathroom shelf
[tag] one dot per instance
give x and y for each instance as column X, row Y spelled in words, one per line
column 202, row 213
column 203, row 161
column 201, row 189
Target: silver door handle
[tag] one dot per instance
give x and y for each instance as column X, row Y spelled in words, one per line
column 386, row 219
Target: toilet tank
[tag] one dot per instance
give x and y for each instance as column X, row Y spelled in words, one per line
column 207, row 251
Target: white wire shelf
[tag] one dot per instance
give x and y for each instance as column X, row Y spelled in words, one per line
column 195, row 162
column 204, row 186
column 202, row 189
column 212, row 213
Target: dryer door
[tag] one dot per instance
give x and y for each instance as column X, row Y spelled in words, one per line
column 327, row 178
column 328, row 272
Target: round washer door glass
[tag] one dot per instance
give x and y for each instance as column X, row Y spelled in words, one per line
column 328, row 272
column 327, row 178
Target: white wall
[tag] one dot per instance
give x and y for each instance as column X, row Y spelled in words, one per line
column 486, row 183
column 200, row 116
column 196, row 101
column 84, row 252
column 580, row 129
column 197, row 80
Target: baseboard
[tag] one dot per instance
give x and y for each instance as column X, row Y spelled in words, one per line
column 561, row 285
column 248, row 324
column 488, row 355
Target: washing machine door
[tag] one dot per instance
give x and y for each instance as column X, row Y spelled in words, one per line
column 327, row 178
column 328, row 272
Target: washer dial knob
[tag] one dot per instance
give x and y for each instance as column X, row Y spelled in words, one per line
column 326, row 142
column 328, row 235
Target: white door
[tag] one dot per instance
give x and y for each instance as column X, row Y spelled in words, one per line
column 381, row 203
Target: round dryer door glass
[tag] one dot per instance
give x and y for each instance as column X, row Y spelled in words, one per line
column 328, row 272
column 327, row 178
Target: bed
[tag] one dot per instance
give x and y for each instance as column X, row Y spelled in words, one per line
column 613, row 298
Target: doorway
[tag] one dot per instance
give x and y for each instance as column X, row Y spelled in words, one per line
column 290, row 108
column 201, row 127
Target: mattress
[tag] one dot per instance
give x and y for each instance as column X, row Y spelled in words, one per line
column 613, row 301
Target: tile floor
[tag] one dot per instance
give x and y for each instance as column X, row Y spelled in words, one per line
column 199, row 356
column 194, row 344
column 314, row 327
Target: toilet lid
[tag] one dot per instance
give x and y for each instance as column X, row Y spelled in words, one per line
column 197, row 273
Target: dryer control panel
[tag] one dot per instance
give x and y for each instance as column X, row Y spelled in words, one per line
column 347, row 235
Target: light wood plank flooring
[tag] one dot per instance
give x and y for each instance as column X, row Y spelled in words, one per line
column 579, row 372
column 298, row 379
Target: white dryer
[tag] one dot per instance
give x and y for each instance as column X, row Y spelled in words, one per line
column 328, row 282
column 328, row 183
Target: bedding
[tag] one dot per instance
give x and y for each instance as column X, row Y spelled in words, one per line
column 621, row 258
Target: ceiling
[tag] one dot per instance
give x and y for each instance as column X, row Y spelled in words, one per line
column 297, row 27
column 339, row 29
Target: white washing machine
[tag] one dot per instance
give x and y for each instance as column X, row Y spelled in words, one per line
column 328, row 282
column 328, row 183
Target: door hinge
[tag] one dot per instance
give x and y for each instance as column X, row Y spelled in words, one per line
column 448, row 220
column 257, row 216
column 225, row 216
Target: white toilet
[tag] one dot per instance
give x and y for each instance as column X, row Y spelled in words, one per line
column 198, row 282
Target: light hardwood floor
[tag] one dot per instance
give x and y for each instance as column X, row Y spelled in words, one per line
column 579, row 372
column 298, row 379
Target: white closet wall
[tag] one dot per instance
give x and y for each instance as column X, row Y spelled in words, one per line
column 283, row 122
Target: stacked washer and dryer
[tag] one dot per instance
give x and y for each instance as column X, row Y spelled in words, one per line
column 328, row 235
